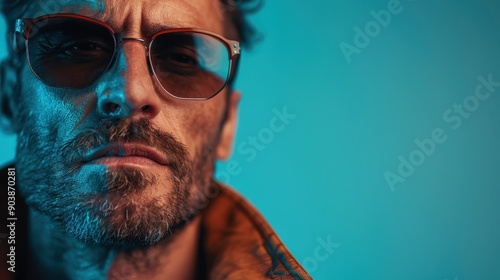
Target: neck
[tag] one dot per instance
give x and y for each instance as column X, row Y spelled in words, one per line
column 59, row 256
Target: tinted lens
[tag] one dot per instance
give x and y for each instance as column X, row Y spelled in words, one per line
column 190, row 65
column 69, row 52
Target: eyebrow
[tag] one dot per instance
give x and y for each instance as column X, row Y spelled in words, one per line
column 147, row 28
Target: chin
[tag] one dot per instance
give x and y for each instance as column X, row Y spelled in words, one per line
column 130, row 208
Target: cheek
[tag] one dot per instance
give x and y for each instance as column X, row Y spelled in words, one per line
column 48, row 110
column 202, row 123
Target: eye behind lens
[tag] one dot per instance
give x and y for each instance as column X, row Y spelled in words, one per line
column 190, row 64
column 69, row 52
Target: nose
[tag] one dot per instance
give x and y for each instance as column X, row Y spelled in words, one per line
column 128, row 90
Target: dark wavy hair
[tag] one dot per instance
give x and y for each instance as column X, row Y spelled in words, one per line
column 237, row 12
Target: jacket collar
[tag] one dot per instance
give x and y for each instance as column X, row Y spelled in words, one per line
column 238, row 243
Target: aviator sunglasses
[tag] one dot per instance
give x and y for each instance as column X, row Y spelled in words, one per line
column 73, row 51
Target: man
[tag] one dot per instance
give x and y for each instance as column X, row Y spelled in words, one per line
column 121, row 109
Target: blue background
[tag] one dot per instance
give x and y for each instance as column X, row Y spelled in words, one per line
column 322, row 177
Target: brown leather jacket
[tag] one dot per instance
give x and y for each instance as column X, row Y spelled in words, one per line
column 236, row 242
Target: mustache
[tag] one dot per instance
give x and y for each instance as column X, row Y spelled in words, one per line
column 126, row 131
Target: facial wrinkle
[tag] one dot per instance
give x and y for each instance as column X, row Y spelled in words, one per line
column 91, row 8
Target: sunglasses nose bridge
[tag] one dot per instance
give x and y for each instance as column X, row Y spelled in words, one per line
column 124, row 39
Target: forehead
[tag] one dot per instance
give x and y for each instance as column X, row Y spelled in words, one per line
column 140, row 14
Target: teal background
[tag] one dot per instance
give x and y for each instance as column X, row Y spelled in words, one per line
column 322, row 177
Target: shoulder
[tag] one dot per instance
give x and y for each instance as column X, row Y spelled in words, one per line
column 239, row 242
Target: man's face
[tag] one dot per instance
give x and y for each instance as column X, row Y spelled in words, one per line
column 122, row 162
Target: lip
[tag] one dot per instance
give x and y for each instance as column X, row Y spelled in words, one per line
column 132, row 153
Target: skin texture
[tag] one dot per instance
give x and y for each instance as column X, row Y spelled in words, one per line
column 95, row 219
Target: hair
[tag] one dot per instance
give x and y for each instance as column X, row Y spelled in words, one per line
column 237, row 12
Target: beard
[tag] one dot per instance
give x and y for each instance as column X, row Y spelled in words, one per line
column 114, row 207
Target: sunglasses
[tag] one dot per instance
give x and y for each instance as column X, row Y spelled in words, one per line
column 73, row 51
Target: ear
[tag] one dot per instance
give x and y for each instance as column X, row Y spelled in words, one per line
column 229, row 127
column 8, row 89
